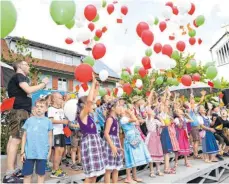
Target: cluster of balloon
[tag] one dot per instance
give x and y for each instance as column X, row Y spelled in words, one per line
column 8, row 18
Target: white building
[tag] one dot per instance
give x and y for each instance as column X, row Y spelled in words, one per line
column 220, row 54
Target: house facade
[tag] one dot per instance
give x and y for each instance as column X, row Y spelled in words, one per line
column 220, row 54
column 58, row 64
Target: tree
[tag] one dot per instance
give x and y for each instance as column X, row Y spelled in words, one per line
column 23, row 53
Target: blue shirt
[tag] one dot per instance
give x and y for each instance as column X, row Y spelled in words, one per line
column 195, row 120
column 98, row 126
column 37, row 139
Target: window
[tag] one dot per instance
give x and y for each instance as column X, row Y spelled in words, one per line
column 59, row 58
column 36, row 53
column 62, row 84
column 64, row 59
column 68, row 60
column 223, row 54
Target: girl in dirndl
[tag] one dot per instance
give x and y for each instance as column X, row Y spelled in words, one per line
column 153, row 142
column 112, row 143
column 135, row 150
column 92, row 146
column 209, row 145
column 182, row 136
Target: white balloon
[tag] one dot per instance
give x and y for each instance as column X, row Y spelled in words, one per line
column 70, row 109
column 128, row 61
column 151, row 20
column 83, row 34
column 103, row 75
column 167, row 12
column 79, row 23
column 163, row 62
column 183, row 6
column 138, row 83
column 82, row 93
column 120, row 92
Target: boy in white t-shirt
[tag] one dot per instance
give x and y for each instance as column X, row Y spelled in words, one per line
column 56, row 115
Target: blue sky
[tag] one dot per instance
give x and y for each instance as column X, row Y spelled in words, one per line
column 34, row 22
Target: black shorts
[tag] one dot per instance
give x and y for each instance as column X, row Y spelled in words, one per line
column 59, row 140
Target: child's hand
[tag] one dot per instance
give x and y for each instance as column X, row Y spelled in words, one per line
column 23, row 158
column 114, row 151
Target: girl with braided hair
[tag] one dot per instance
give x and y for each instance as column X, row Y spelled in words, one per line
column 92, row 146
column 112, row 143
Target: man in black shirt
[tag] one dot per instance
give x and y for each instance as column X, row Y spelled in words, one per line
column 19, row 88
column 220, row 123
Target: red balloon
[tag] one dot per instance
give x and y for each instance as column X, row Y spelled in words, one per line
column 186, row 80
column 68, row 41
column 172, row 37
column 211, row 84
column 115, row 91
column 86, row 42
column 192, row 10
column 147, row 93
column 90, row 12
column 128, row 70
column 175, row 10
column 192, row 41
column 124, row 10
column 91, row 26
column 99, row 50
column 104, row 29
column 157, row 47
column 142, row 26
column 98, row 33
column 180, row 46
column 196, row 77
column 170, row 4
column 167, row 50
column 162, row 26
column 110, row 8
column 84, row 86
column 146, row 62
column 199, row 41
column 147, row 37
column 83, row 73
column 142, row 72
column 108, row 91
column 194, row 23
column 127, row 88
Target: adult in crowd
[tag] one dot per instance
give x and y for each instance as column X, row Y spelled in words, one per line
column 19, row 88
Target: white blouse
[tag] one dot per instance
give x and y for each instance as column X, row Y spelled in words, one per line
column 152, row 124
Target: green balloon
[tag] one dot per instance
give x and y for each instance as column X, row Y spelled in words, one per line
column 96, row 18
column 175, row 82
column 89, row 60
column 211, row 72
column 156, row 21
column 70, row 24
column 148, row 52
column 104, row 4
column 208, row 64
column 136, row 69
column 125, row 76
column 192, row 33
column 96, row 38
column 159, row 80
column 175, row 55
column 102, row 92
column 193, row 64
column 170, row 80
column 8, row 18
column 62, row 12
column 217, row 84
column 200, row 20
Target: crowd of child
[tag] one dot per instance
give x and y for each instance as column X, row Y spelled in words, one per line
column 113, row 134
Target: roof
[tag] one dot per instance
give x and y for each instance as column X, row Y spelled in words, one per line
column 45, row 46
column 226, row 33
column 99, row 65
column 58, row 67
